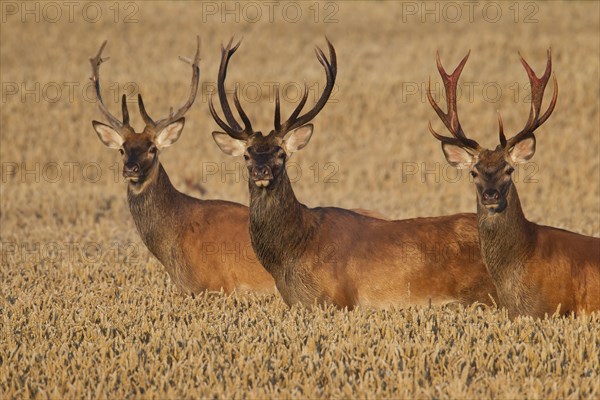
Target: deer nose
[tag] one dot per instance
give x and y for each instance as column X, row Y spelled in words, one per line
column 491, row 196
column 130, row 169
column 261, row 172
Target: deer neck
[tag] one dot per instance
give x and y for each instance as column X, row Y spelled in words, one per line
column 153, row 205
column 505, row 239
column 280, row 226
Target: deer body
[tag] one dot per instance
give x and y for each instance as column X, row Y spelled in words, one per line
column 537, row 270
column 192, row 238
column 337, row 256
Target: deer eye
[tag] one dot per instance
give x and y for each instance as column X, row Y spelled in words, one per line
column 510, row 170
column 152, row 149
column 281, row 156
column 121, row 152
column 246, row 157
column 473, row 174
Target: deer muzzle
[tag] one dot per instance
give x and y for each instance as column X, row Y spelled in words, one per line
column 261, row 175
column 493, row 200
column 131, row 171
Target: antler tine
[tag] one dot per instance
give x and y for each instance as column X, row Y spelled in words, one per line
column 147, row 120
column 240, row 110
column 538, row 86
column 220, row 122
column 277, row 118
column 226, row 54
column 330, row 67
column 231, row 127
column 125, row 110
column 195, row 63
column 450, row 118
column 449, row 140
column 286, row 125
column 96, row 62
column 501, row 131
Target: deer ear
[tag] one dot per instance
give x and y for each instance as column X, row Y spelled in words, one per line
column 108, row 135
column 523, row 150
column 169, row 134
column 298, row 138
column 458, row 156
column 229, row 145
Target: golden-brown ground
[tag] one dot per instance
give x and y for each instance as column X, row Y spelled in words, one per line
column 86, row 312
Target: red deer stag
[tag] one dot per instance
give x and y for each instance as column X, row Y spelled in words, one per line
column 190, row 237
column 332, row 255
column 536, row 268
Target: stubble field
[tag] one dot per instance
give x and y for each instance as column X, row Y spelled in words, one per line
column 85, row 311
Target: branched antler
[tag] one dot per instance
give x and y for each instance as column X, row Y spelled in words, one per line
column 159, row 125
column 294, row 121
column 450, row 118
column 538, row 85
column 113, row 121
column 231, row 127
column 235, row 130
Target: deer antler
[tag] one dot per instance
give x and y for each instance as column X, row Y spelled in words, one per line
column 114, row 121
column 538, row 85
column 195, row 63
column 450, row 118
column 231, row 127
column 294, row 121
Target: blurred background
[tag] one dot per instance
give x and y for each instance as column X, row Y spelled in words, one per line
column 371, row 147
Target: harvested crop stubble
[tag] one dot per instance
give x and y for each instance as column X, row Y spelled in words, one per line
column 113, row 340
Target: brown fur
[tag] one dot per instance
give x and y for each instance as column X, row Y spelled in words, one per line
column 337, row 256
column 535, row 268
column 332, row 255
column 203, row 244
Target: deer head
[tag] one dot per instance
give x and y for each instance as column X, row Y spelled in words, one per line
column 140, row 149
column 266, row 155
column 491, row 169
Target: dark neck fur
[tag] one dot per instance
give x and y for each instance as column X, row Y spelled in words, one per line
column 153, row 205
column 280, row 226
column 505, row 238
